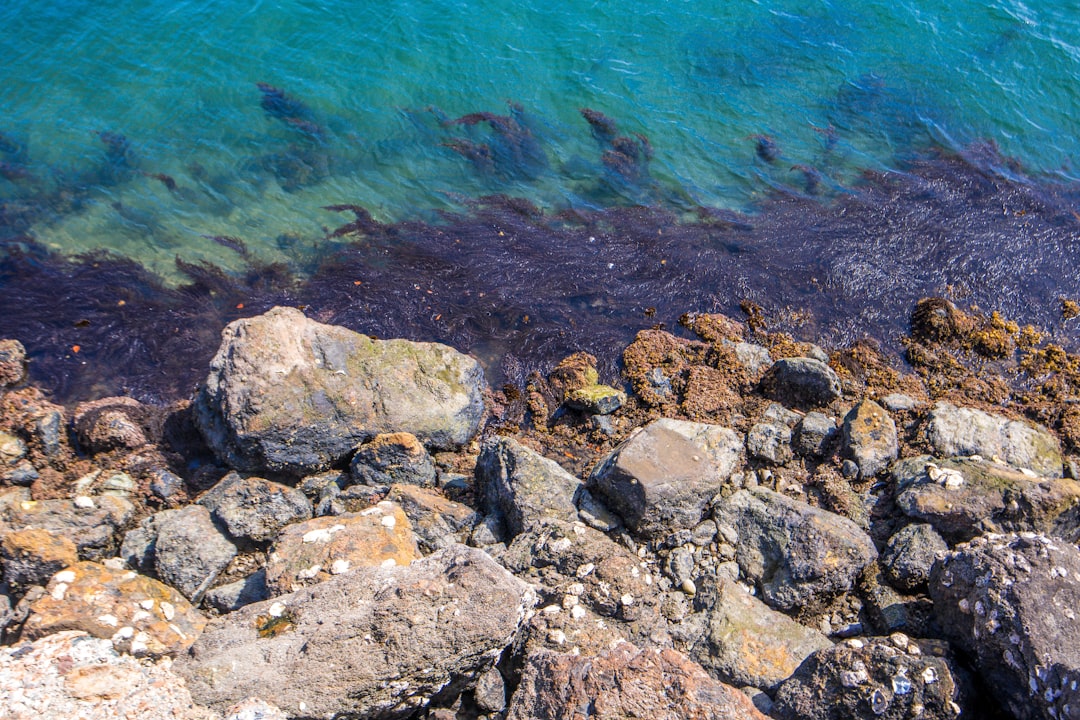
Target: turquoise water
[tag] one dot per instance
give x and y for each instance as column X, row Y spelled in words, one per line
column 838, row 86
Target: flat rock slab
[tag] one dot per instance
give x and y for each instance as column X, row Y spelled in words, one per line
column 139, row 614
column 289, row 395
column 662, row 478
column 89, row 522
column 624, row 682
column 1011, row 602
column 376, row 643
column 956, row 430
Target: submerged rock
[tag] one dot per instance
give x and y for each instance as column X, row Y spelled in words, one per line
column 966, row 431
column 288, row 395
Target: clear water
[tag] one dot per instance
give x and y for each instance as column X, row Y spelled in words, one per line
column 840, row 86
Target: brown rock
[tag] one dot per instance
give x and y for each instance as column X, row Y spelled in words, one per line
column 313, row 551
column 437, row 521
column 139, row 614
column 111, row 423
column 32, row 556
column 88, row 522
column 12, row 363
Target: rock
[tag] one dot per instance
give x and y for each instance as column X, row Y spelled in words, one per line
column 190, row 552
column 815, row 434
column 748, row 643
column 490, row 691
column 899, row 402
column 254, row 709
column 393, row 458
column 869, row 438
column 1010, row 602
column 253, row 508
column 663, row 476
column 624, row 682
column 140, row 615
column 73, row 675
column 12, row 363
column 522, row 487
column 166, row 486
column 235, row 595
column 111, row 423
column 964, row 497
column 377, row 642
column 90, row 523
column 288, row 395
column 769, row 441
column 755, row 358
column 436, row 521
column 870, row 678
column 49, row 429
column 12, row 449
column 801, row 382
column 799, row 555
column 965, row 431
column 138, row 548
column 32, row 556
column 910, row 555
column 315, row 550
column 577, row 384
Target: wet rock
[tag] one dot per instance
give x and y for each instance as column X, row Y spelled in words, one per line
column 190, row 551
column 436, row 521
column 870, row 678
column 74, row 675
column 235, row 595
column 815, row 434
column 254, row 508
column 1010, row 602
column 286, row 394
column 90, row 523
column 522, row 487
column 770, row 442
column 392, row 458
column 869, row 438
column 32, row 556
column 662, row 477
column 378, row 642
column 624, row 682
column 965, row 431
column 315, row 550
column 748, row 643
column 798, row 555
column 964, row 497
column 12, row 363
column 801, row 382
column 110, row 423
column 910, row 555
column 140, row 615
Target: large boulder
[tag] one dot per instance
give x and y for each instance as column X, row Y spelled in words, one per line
column 956, row 430
column 377, row 642
column 521, row 487
column 662, row 477
column 288, row 395
column 1011, row 602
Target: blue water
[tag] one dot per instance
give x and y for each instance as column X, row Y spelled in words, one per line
column 838, row 86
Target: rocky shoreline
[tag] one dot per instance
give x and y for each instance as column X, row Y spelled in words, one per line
column 741, row 526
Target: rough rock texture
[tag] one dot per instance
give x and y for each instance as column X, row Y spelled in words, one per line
column 815, row 434
column 963, row 497
column 90, row 523
column 870, row 678
column 255, row 508
column 189, row 550
column 286, row 394
column 662, row 478
column 313, row 551
column 139, row 614
column 1012, row 602
column 624, row 682
column 393, row 458
column 798, row 554
column 12, row 363
column 801, row 382
column 748, row 643
column 32, row 556
column 111, row 423
column 966, row 431
column 869, row 438
column 436, row 521
column 377, row 642
column 769, row 441
column 910, row 555
column 72, row 675
column 521, row 487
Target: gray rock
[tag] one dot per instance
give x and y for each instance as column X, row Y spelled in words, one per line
column 49, row 430
column 748, row 643
column 392, row 458
column 190, row 551
column 288, row 395
column 965, row 431
column 90, row 523
column 594, row 513
column 23, row 474
column 522, row 487
column 769, row 441
column 899, row 402
column 964, row 497
column 799, row 555
column 1010, row 602
column 166, row 486
column 375, row 642
column 662, row 477
column 139, row 546
column 755, row 358
column 815, row 434
column 868, row 679
column 910, row 555
column 235, row 595
column 490, row 692
column 253, row 508
column 801, row 382
column 869, row 438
